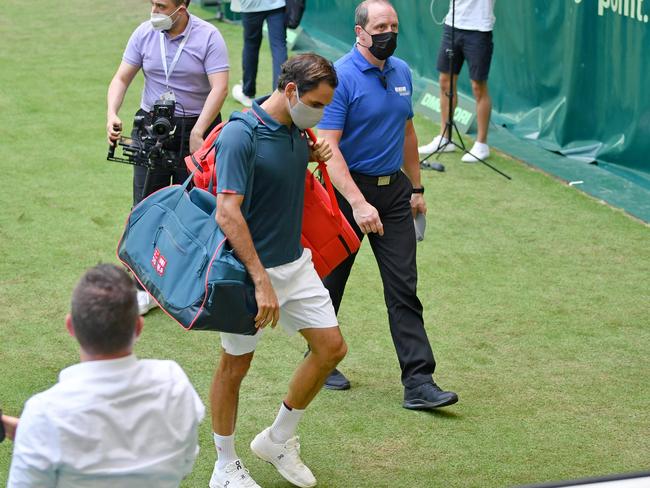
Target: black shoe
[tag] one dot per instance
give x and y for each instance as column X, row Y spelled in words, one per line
column 337, row 381
column 427, row 396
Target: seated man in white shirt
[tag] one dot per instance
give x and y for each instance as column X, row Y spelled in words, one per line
column 112, row 420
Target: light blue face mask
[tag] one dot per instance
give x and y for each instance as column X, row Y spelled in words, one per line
column 303, row 115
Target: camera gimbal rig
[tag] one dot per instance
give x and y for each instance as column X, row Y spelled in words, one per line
column 149, row 148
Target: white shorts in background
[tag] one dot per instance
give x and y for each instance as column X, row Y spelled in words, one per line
column 304, row 303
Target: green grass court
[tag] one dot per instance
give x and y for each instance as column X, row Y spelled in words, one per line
column 537, row 297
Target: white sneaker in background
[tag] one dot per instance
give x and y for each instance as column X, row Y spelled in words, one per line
column 234, row 475
column 145, row 302
column 435, row 144
column 479, row 150
column 238, row 94
column 285, row 457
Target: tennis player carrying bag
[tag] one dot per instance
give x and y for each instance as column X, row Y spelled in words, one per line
column 179, row 254
column 325, row 230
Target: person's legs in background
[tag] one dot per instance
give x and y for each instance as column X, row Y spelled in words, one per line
column 445, row 86
column 478, row 50
column 158, row 178
column 483, row 109
column 278, row 41
column 440, row 143
column 252, row 23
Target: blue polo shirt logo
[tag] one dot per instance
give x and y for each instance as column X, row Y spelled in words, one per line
column 402, row 91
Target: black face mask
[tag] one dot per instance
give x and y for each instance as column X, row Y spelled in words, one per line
column 383, row 45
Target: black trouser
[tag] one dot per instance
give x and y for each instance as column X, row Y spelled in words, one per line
column 252, row 22
column 180, row 144
column 395, row 255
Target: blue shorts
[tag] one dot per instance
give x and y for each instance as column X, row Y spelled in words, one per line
column 474, row 46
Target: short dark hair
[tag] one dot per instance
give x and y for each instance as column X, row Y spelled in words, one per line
column 307, row 71
column 104, row 309
column 361, row 12
column 178, row 2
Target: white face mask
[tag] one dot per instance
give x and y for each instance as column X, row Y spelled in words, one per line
column 162, row 22
column 303, row 115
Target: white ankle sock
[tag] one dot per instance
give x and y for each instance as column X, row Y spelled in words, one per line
column 285, row 424
column 481, row 145
column 225, row 445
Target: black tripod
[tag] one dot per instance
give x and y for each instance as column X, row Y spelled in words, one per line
column 450, row 126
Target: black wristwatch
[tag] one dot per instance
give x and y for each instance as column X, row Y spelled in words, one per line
column 418, row 190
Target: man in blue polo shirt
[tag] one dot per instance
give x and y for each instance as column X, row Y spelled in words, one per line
column 263, row 157
column 376, row 171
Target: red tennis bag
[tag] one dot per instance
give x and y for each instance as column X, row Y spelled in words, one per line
column 325, row 230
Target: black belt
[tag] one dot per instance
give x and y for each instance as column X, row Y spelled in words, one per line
column 375, row 180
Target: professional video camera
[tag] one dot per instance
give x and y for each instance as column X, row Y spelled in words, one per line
column 151, row 148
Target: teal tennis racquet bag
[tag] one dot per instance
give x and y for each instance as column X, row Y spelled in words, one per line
column 175, row 249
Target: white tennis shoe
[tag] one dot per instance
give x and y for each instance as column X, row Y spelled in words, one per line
column 433, row 146
column 479, row 150
column 145, row 302
column 238, row 94
column 285, row 457
column 234, row 475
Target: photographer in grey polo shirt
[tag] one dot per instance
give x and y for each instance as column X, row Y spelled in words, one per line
column 183, row 58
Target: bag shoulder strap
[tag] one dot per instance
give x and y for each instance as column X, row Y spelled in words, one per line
column 212, row 136
column 246, row 120
column 252, row 121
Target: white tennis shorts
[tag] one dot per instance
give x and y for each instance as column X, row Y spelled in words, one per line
column 304, row 303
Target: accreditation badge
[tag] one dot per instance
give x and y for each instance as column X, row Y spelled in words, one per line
column 168, row 95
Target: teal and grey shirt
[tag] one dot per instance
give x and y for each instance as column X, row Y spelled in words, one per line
column 277, row 198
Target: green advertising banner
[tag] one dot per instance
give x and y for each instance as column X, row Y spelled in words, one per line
column 572, row 76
